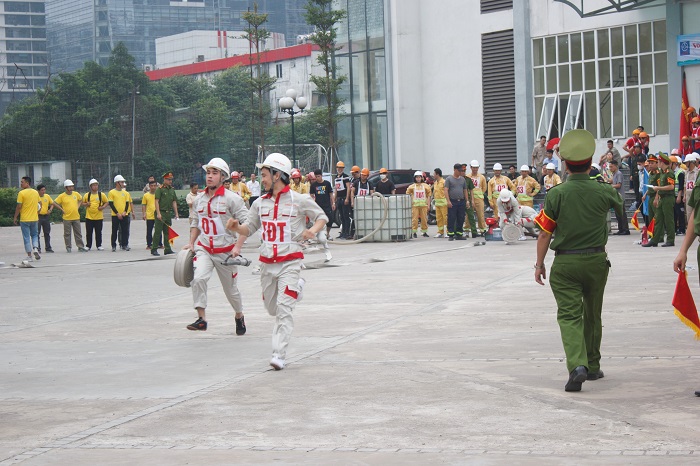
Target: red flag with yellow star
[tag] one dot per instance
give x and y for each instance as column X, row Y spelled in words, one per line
column 172, row 235
column 634, row 221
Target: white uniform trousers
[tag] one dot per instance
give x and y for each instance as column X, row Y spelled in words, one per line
column 204, row 265
column 280, row 287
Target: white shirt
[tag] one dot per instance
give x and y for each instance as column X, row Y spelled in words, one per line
column 254, row 188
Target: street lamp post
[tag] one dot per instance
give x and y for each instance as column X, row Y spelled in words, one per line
column 287, row 106
column 133, row 130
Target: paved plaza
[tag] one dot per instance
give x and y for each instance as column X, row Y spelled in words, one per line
column 423, row 352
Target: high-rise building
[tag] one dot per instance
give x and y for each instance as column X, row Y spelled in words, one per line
column 88, row 30
column 22, row 50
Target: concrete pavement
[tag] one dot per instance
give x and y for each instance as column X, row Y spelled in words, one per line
column 421, row 352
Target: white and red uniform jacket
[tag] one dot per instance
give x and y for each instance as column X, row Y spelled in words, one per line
column 211, row 215
column 282, row 220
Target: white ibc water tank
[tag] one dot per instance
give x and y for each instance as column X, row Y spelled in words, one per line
column 369, row 212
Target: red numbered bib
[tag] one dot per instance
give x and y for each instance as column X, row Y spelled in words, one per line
column 476, row 183
column 276, row 232
column 689, row 185
column 500, row 187
column 521, row 189
column 419, row 194
column 363, row 192
column 211, row 226
column 339, row 185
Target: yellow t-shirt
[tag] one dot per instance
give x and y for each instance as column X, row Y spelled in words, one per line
column 149, row 200
column 29, row 198
column 300, row 188
column 96, row 200
column 120, row 198
column 46, row 202
column 70, row 204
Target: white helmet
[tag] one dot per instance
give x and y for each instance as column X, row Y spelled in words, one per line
column 219, row 164
column 118, row 178
column 595, row 165
column 524, row 168
column 550, row 166
column 67, row 183
column 93, row 181
column 691, row 157
column 277, row 161
column 474, row 163
column 497, row 166
column 418, row 173
column 505, row 195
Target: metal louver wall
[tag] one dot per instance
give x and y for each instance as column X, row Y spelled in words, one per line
column 498, row 92
column 489, row 6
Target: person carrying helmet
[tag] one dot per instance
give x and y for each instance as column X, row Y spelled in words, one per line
column 341, row 187
column 510, row 211
column 69, row 202
column 497, row 184
column 95, row 201
column 526, row 187
column 551, row 179
column 238, row 187
column 213, row 243
column 360, row 186
column 420, row 200
column 281, row 216
column 296, row 185
column 480, row 188
column 121, row 205
column 385, row 186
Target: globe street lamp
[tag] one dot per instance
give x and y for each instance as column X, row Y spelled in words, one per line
column 287, row 106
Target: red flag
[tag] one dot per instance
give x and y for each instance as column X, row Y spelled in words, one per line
column 650, row 228
column 634, row 221
column 684, row 306
column 172, row 235
column 686, row 127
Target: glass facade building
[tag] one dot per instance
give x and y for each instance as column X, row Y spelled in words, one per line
column 82, row 30
column 364, row 130
column 23, row 59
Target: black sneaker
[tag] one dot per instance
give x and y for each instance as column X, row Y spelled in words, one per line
column 415, row 235
column 199, row 324
column 240, row 325
column 155, row 253
column 167, row 253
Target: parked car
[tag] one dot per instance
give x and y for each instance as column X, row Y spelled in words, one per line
column 402, row 179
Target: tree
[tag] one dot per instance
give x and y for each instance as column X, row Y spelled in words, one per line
column 260, row 81
column 321, row 15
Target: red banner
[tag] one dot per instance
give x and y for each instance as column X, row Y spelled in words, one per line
column 686, row 127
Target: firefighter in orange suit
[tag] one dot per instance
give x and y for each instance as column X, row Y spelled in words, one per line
column 480, row 188
column 526, row 187
column 497, row 184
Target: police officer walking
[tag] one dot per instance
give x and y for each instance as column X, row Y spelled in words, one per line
column 580, row 268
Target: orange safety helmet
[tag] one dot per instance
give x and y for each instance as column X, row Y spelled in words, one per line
column 383, row 170
column 340, row 165
column 696, row 120
column 689, row 110
column 354, row 169
column 311, row 176
column 685, row 138
column 296, row 173
column 235, row 175
column 365, row 171
column 643, row 135
column 636, row 132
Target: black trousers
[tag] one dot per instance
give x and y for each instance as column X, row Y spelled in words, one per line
column 96, row 227
column 622, row 223
column 679, row 217
column 149, row 232
column 344, row 216
column 455, row 217
column 120, row 230
column 45, row 226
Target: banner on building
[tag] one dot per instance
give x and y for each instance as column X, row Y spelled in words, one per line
column 688, row 49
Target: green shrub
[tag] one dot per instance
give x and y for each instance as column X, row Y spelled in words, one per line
column 6, row 222
column 8, row 202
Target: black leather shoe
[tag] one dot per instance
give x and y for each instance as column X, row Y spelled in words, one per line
column 576, row 379
column 650, row 245
column 595, row 375
column 624, row 233
column 668, row 245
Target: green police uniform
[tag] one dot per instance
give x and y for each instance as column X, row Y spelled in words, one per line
column 471, row 213
column 165, row 196
column 663, row 214
column 578, row 210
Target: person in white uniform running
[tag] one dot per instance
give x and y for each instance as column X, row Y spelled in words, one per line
column 281, row 215
column 212, row 243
